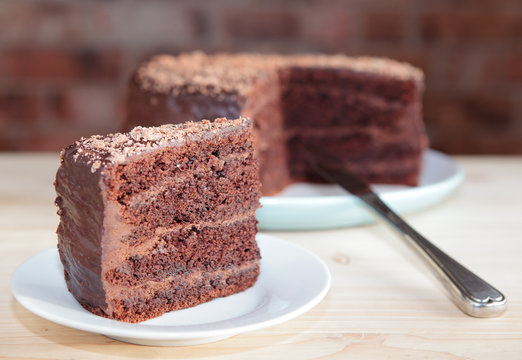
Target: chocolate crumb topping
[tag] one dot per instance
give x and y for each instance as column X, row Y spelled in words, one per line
column 197, row 72
column 99, row 151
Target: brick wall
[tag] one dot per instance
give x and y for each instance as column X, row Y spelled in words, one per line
column 64, row 64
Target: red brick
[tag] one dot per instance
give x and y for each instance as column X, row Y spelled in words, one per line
column 44, row 22
column 18, row 106
column 484, row 109
column 6, row 144
column 148, row 24
column 490, row 111
column 3, row 70
column 514, row 68
column 465, row 123
column 418, row 58
column 95, row 107
column 45, row 63
column 470, row 51
column 456, row 70
column 47, row 136
column 198, row 22
column 455, row 67
column 499, row 143
column 502, row 70
column 460, row 25
column 384, row 26
column 327, row 28
column 261, row 24
column 52, row 138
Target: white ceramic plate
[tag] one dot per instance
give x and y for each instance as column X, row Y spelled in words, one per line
column 305, row 206
column 292, row 281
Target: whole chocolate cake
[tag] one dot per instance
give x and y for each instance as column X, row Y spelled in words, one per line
column 159, row 218
column 365, row 112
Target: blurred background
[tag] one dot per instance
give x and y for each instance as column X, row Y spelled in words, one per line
column 64, row 65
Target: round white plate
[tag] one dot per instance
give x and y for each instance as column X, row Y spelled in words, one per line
column 292, row 280
column 304, row 206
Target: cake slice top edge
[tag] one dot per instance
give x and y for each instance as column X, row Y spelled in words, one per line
column 100, row 151
column 197, row 72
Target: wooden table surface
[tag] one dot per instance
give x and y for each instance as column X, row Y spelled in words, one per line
column 382, row 303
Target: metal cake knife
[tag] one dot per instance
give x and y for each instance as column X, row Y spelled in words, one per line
column 470, row 293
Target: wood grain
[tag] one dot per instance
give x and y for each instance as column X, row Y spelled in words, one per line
column 382, row 304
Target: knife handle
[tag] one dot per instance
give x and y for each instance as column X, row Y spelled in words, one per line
column 470, row 293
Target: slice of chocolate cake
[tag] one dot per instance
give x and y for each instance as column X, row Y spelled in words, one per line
column 160, row 218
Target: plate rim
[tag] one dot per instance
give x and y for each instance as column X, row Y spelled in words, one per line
column 321, row 212
column 457, row 176
column 142, row 331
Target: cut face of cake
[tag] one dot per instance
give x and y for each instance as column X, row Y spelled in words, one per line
column 160, row 218
column 365, row 112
